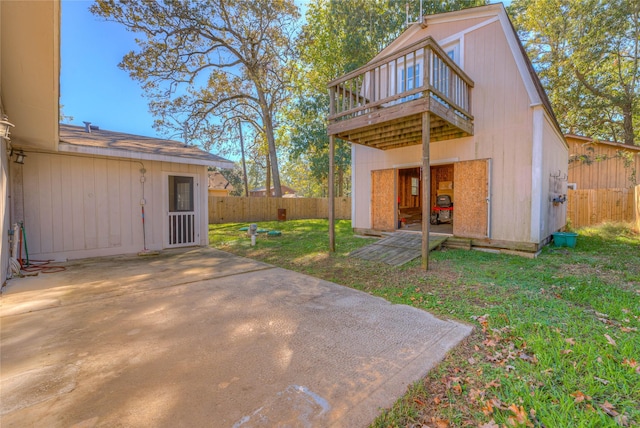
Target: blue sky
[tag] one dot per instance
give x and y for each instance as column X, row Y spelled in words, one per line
column 92, row 87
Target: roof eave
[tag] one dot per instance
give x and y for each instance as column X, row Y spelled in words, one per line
column 126, row 154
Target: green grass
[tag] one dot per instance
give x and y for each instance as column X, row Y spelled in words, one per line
column 556, row 342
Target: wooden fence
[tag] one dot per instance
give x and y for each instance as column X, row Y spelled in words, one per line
column 231, row 209
column 594, row 206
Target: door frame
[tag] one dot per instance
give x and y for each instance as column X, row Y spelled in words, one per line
column 167, row 215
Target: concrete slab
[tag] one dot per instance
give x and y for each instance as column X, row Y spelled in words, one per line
column 204, row 338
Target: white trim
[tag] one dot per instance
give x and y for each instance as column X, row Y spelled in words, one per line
column 461, row 34
column 516, row 52
column 126, row 154
column 416, row 164
column 536, row 173
column 165, row 209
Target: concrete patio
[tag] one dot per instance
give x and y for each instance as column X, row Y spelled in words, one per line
column 199, row 337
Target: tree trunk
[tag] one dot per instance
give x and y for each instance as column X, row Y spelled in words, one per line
column 244, row 163
column 627, row 114
column 267, row 185
column 268, row 130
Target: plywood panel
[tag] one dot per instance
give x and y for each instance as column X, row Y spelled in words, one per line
column 383, row 199
column 470, row 217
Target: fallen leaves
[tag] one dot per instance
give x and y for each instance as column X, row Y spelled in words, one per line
column 610, row 340
column 579, row 397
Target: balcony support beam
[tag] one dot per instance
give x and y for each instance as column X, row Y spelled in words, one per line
column 426, row 188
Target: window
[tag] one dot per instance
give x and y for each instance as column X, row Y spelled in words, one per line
column 409, row 78
column 180, row 193
column 415, row 186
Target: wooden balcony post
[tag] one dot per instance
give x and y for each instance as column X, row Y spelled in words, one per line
column 332, row 228
column 426, row 188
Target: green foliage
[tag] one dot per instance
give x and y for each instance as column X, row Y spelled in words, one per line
column 586, row 53
column 338, row 37
column 207, row 65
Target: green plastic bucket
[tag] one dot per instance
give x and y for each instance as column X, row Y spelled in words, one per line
column 565, row 239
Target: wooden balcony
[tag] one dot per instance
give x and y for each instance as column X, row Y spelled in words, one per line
column 381, row 104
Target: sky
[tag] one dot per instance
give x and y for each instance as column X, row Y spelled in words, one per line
column 92, row 87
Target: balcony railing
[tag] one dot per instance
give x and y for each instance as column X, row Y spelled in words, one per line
column 418, row 72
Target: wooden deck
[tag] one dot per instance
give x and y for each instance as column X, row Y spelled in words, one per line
column 381, row 104
column 397, row 249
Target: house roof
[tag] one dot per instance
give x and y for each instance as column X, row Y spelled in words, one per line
column 588, row 140
column 218, row 182
column 498, row 12
column 99, row 142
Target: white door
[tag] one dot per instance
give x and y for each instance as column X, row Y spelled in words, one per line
column 183, row 219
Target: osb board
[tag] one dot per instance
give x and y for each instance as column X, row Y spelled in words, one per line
column 383, row 199
column 471, row 181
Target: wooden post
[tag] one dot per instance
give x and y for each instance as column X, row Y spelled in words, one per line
column 332, row 232
column 426, row 188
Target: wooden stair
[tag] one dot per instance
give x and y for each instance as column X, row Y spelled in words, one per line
column 457, row 243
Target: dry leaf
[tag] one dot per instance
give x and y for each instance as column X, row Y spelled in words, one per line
column 519, row 417
column 457, row 389
column 579, row 397
column 436, row 400
column 566, row 351
column 474, row 394
column 610, row 340
column 490, row 424
column 622, row 420
column 488, row 407
column 603, row 381
column 440, row 423
column 493, row 384
column 609, row 409
column 471, row 360
column 571, row 341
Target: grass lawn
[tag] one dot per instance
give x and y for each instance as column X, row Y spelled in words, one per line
column 555, row 343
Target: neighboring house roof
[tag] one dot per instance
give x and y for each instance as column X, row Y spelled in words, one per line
column 492, row 12
column 588, row 140
column 99, row 142
column 218, row 182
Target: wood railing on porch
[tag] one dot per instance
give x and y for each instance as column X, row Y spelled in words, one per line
column 400, row 77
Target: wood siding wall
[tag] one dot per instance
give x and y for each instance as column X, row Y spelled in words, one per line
column 609, row 173
column 588, row 207
column 77, row 206
column 242, row 209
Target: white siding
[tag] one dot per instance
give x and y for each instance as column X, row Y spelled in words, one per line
column 504, row 132
column 76, row 207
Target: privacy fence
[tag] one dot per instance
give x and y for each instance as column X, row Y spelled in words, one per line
column 589, row 207
column 231, row 209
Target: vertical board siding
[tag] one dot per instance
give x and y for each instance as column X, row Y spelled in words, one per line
column 231, row 209
column 610, row 172
column 588, row 207
column 80, row 206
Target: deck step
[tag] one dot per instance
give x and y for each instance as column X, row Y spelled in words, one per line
column 457, row 243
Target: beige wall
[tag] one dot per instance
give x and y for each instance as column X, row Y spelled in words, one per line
column 76, row 207
column 4, row 211
column 29, row 70
column 504, row 132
